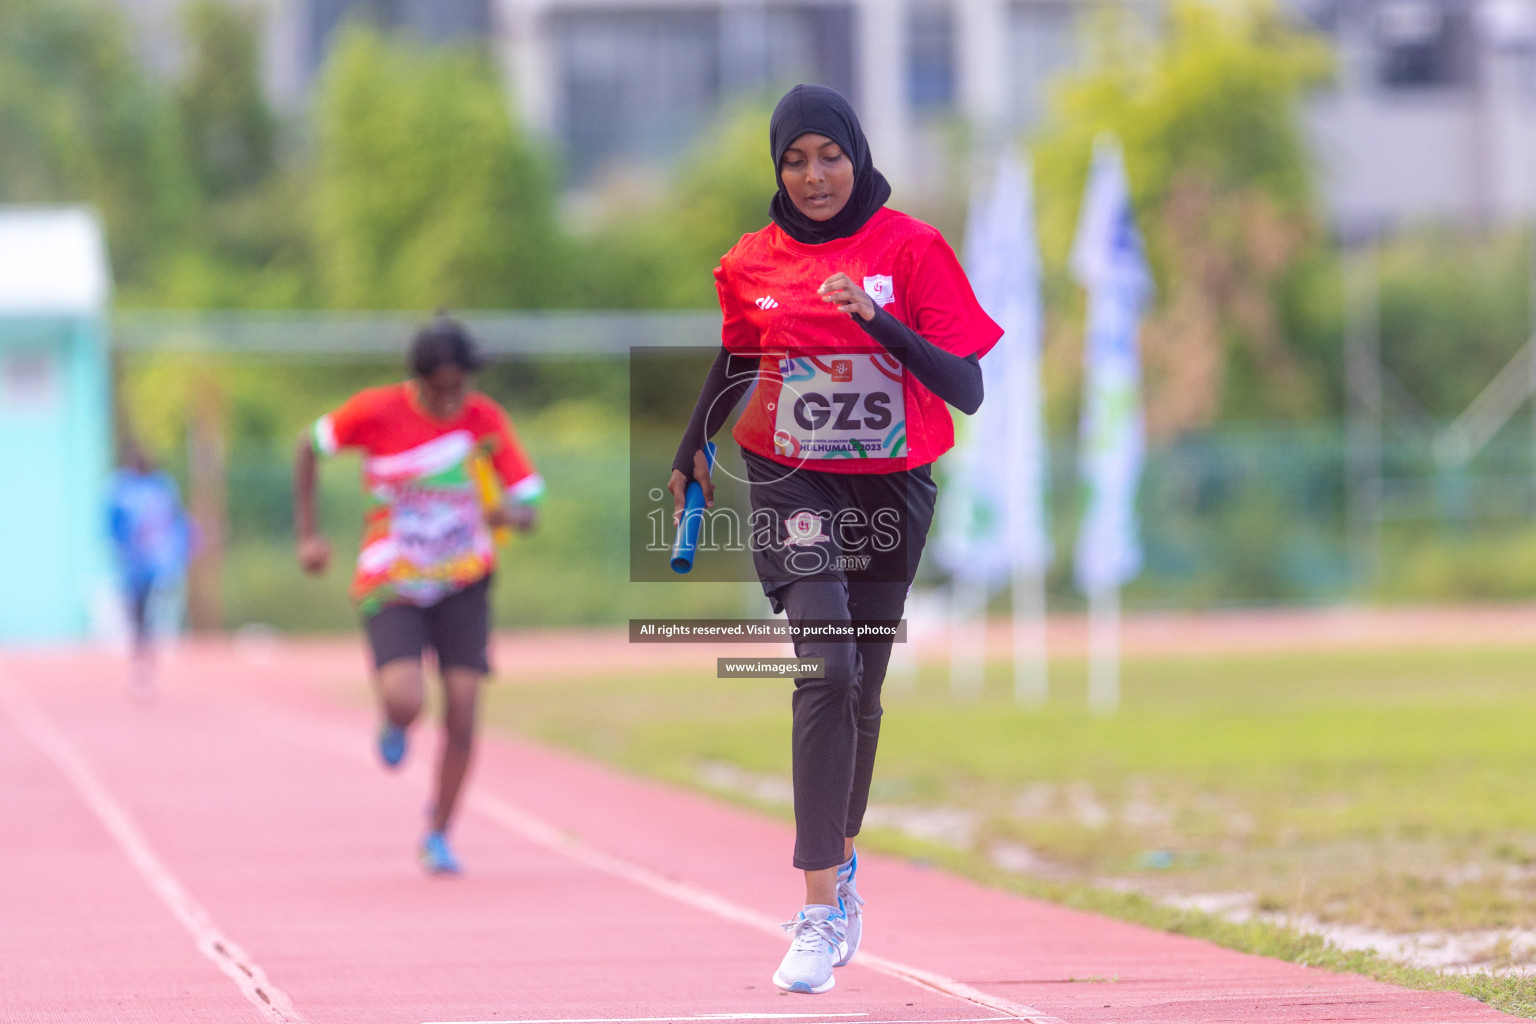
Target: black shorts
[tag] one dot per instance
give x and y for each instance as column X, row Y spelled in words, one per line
column 458, row 628
column 853, row 527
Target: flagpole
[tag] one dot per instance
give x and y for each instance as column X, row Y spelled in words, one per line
column 1031, row 681
column 1104, row 650
column 1024, row 475
column 967, row 637
column 1109, row 261
column 994, row 521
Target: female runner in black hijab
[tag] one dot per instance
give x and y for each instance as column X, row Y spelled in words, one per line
column 857, row 325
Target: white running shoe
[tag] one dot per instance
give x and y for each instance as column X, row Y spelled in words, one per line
column 852, row 905
column 819, row 938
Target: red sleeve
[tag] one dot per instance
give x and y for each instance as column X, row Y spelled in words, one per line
column 350, row 426
column 943, row 307
column 512, row 464
column 736, row 332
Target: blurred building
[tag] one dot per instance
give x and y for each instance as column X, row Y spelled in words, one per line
column 298, row 33
column 1433, row 115
column 634, row 77
column 618, row 82
column 314, row 22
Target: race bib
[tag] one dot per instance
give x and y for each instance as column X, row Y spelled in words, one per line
column 841, row 407
column 429, row 532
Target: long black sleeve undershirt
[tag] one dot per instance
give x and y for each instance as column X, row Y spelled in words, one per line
column 956, row 379
column 729, row 378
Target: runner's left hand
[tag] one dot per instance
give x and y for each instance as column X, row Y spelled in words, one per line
column 849, row 298
column 519, row 517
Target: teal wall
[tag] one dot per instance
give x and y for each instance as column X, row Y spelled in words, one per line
column 55, row 454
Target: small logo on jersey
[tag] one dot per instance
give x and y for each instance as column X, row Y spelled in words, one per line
column 767, row 302
column 803, row 529
column 786, row 444
column 842, row 371
column 880, row 288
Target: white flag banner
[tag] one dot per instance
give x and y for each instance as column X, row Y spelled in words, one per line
column 993, row 520
column 1109, row 262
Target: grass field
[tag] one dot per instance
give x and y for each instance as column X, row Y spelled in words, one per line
column 1309, row 791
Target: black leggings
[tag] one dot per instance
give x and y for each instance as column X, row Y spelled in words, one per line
column 138, row 594
column 836, row 718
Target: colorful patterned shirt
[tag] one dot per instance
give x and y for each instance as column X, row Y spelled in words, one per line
column 424, row 534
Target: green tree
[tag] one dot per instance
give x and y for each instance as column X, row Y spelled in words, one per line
column 426, row 194
column 231, row 132
column 660, row 253
column 1209, row 110
column 80, row 122
column 250, row 244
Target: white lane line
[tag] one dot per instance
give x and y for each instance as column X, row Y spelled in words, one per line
column 228, row 957
column 537, row 831
column 540, row 832
column 648, row 1020
column 723, row 1017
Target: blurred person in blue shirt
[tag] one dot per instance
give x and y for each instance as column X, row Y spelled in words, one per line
column 152, row 537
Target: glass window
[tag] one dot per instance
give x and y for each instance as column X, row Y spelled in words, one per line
column 639, row 84
column 767, row 48
column 1423, row 43
column 437, row 20
column 930, row 56
column 1044, row 44
column 634, row 84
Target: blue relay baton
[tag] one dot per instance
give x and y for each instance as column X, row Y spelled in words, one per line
column 687, row 541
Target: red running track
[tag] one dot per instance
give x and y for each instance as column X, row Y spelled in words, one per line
column 230, row 852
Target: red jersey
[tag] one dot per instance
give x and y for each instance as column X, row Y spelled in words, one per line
column 425, row 534
column 829, row 397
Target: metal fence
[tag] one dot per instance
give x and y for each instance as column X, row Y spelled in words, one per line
column 1239, row 516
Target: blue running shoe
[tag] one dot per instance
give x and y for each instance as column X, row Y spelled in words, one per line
column 391, row 745
column 853, row 905
column 436, row 856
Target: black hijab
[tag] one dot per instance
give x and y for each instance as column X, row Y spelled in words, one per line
column 815, row 108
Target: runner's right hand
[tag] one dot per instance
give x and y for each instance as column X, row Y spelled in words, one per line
column 314, row 554
column 678, row 485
